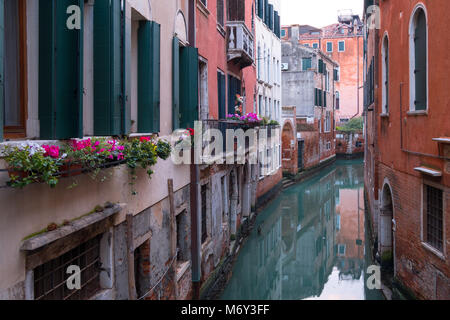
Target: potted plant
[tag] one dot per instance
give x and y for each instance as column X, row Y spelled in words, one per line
column 29, row 163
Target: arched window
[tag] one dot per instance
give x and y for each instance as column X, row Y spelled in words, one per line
column 385, row 74
column 418, row 44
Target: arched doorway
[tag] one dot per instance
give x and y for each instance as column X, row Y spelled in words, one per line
column 387, row 228
column 289, row 157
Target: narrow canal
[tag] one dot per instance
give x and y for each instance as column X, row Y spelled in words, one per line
column 309, row 243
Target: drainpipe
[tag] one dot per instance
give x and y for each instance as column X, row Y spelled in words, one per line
column 357, row 78
column 194, row 187
column 195, row 227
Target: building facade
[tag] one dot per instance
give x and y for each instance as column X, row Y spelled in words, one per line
column 121, row 234
column 407, row 142
column 267, row 98
column 342, row 42
column 308, row 83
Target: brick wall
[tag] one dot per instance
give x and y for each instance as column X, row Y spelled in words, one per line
column 426, row 274
column 348, row 143
column 268, row 183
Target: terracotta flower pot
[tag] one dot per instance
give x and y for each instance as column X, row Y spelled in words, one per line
column 71, row 169
column 17, row 173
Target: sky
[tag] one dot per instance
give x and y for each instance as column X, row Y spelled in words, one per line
column 317, row 13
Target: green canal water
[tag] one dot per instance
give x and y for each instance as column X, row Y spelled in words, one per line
column 309, row 243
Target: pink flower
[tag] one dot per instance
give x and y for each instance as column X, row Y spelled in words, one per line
column 51, row 151
column 120, row 156
column 144, row 139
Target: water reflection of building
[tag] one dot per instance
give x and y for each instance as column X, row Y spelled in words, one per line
column 308, row 231
column 306, row 269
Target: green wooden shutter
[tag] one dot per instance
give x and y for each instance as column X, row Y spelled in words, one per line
column 61, row 70
column 325, row 99
column 221, row 94
column 175, row 83
column 315, row 97
column 126, row 68
column 271, row 16
column 420, row 39
column 149, row 77
column 2, row 48
column 320, row 66
column 188, row 86
column 108, row 97
column 261, row 9
column 266, row 12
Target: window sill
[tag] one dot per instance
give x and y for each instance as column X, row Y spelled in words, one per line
column 221, row 30
column 417, row 113
column 203, row 9
column 433, row 250
column 384, row 115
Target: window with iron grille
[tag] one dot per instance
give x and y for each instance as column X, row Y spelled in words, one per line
column 50, row 278
column 434, row 217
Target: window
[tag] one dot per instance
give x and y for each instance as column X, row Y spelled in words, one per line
column 183, row 229
column 306, row 44
column 204, row 190
column 259, row 61
column 337, row 74
column 260, row 105
column 328, row 122
column 385, row 75
column 341, row 249
column 315, row 45
column 50, row 278
column 283, row 33
column 234, row 88
column 433, row 224
column 329, row 46
column 13, row 71
column 337, row 100
column 306, row 64
column 203, row 2
column 341, row 46
column 141, row 271
column 220, row 12
column 418, row 52
column 327, row 81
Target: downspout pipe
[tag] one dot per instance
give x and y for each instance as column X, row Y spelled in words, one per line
column 194, row 187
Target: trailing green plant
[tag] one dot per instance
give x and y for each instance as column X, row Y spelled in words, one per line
column 163, row 149
column 30, row 163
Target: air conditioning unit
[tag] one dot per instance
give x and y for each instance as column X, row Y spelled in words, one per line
column 284, row 66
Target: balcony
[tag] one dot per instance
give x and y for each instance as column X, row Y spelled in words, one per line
column 240, row 48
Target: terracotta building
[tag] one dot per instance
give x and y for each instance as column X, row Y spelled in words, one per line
column 308, row 83
column 407, row 176
column 342, row 42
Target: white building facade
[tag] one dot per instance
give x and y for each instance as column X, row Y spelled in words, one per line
column 268, row 74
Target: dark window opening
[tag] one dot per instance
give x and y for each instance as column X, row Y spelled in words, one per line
column 183, row 247
column 204, row 197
